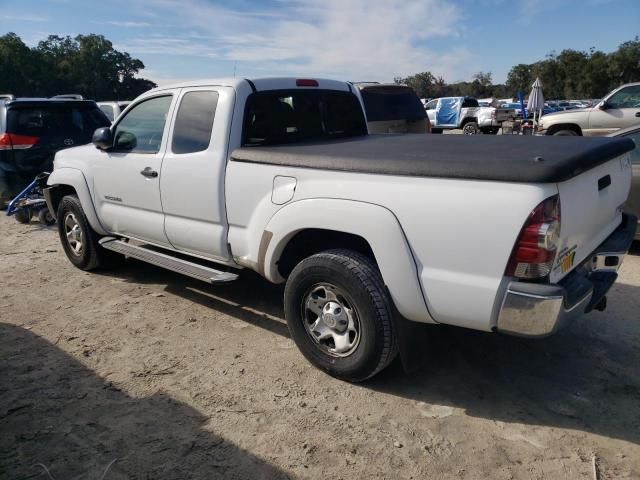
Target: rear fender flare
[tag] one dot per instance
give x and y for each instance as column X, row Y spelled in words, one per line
column 376, row 224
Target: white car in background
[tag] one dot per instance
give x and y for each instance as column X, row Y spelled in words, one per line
column 619, row 109
column 465, row 113
column 113, row 109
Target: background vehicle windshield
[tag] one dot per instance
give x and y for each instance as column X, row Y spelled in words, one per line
column 392, row 103
column 277, row 117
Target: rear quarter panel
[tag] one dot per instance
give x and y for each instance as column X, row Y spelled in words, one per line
column 460, row 233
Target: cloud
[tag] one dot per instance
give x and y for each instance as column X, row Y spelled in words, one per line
column 24, row 18
column 355, row 39
column 167, row 45
column 128, row 24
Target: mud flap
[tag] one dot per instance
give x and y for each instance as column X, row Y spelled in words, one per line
column 413, row 342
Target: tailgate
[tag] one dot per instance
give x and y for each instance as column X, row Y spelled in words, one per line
column 591, row 209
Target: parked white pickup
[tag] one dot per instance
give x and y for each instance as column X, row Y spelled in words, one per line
column 369, row 232
column 461, row 113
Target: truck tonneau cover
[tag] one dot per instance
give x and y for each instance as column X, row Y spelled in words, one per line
column 480, row 157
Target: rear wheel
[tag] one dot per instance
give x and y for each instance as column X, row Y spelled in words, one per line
column 23, row 215
column 339, row 314
column 79, row 240
column 471, row 128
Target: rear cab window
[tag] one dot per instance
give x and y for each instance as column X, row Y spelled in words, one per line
column 470, row 103
column 291, row 116
column 386, row 103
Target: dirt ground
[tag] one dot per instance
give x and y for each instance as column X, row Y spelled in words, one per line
column 157, row 376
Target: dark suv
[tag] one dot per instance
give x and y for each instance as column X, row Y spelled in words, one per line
column 32, row 130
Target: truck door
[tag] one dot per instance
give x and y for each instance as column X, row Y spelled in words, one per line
column 430, row 107
column 193, row 169
column 126, row 179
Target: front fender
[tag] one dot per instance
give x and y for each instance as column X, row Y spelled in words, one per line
column 74, row 178
column 376, row 224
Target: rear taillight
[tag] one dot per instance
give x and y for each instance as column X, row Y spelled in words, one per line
column 9, row 141
column 535, row 250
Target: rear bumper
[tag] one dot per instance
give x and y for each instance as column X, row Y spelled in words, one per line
column 538, row 310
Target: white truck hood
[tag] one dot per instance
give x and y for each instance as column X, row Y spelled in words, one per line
column 75, row 157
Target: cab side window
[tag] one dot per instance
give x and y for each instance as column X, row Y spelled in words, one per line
column 140, row 131
column 194, row 122
column 628, row 97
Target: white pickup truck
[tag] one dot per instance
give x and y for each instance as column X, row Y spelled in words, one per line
column 369, row 232
column 465, row 113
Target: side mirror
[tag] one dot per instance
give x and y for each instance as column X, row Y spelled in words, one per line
column 603, row 106
column 102, row 138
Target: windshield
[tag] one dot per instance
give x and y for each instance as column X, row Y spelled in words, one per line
column 392, row 103
column 277, row 117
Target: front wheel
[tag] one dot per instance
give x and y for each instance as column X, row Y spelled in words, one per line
column 79, row 240
column 565, row 133
column 339, row 314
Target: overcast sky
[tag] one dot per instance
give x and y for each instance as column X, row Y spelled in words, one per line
column 346, row 39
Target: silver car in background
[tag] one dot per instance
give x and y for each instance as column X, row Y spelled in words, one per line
column 113, row 109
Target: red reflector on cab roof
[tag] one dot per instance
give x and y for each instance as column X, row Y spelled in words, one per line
column 306, row 82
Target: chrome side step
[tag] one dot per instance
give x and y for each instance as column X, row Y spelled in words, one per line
column 193, row 270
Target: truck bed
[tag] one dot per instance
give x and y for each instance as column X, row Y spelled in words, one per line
column 499, row 158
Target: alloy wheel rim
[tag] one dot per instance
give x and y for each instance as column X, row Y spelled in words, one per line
column 73, row 233
column 331, row 320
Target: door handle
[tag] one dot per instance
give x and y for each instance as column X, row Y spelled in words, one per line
column 637, row 114
column 149, row 173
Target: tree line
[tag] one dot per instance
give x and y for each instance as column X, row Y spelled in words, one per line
column 86, row 64
column 571, row 74
column 89, row 65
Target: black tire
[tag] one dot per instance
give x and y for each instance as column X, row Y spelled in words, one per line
column 471, row 128
column 358, row 278
column 91, row 255
column 23, row 215
column 45, row 218
column 565, row 133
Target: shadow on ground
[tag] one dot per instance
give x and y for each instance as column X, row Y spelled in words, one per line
column 584, row 378
column 57, row 412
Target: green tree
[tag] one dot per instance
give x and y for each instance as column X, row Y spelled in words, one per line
column 520, row 78
column 624, row 63
column 422, row 83
column 16, row 65
column 86, row 64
